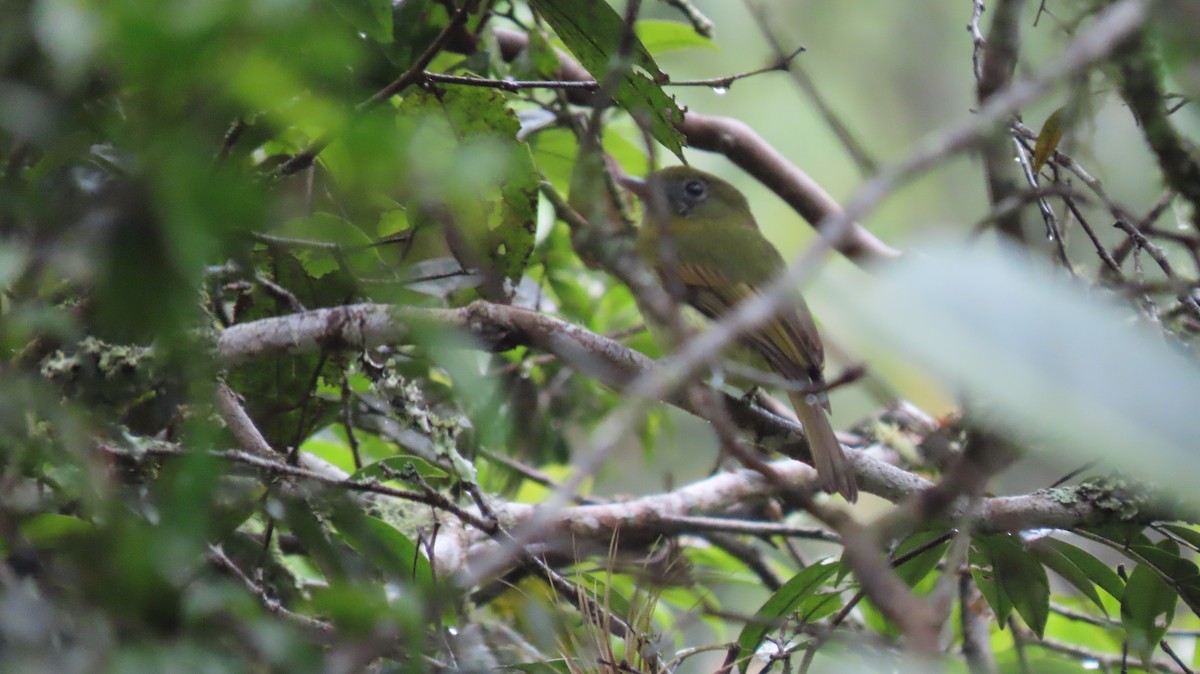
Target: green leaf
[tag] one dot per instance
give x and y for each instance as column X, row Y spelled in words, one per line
column 554, row 151
column 1038, row 661
column 1123, row 535
column 913, row 570
column 537, row 61
column 1021, row 577
column 335, row 559
column 985, row 580
column 48, row 530
column 779, row 605
column 548, row 667
column 1048, row 139
column 354, row 608
column 333, row 450
column 472, row 177
column 623, row 142
column 819, row 606
column 611, row 591
column 1165, row 557
column 372, row 18
column 416, row 24
column 593, row 31
column 390, row 551
column 1174, row 23
column 1099, row 572
column 1042, row 359
column 380, row 470
column 1067, row 569
column 512, row 238
column 1188, row 534
column 717, row 562
column 381, row 10
column 12, row 263
column 1147, row 606
column 331, row 229
column 1181, row 574
column 660, row 37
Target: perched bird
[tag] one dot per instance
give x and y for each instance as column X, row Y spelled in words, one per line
column 698, row 234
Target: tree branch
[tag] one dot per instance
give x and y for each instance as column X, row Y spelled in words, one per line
column 744, row 147
column 995, row 74
column 500, row 327
column 1142, row 91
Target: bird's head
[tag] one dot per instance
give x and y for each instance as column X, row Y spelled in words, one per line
column 686, row 192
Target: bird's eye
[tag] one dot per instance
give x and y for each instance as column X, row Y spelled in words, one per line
column 694, row 188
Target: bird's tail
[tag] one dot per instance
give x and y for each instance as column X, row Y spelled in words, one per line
column 828, row 458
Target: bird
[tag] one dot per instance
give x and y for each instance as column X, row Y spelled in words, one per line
column 700, row 237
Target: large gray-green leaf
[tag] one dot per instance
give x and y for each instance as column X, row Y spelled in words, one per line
column 1072, row 374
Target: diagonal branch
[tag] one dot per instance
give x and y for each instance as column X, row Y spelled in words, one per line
column 743, row 146
column 1141, row 87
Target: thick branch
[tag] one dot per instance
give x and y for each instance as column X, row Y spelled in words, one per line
column 1142, row 90
column 996, row 71
column 642, row 520
column 499, row 327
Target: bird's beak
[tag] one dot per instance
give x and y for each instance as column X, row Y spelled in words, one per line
column 635, row 185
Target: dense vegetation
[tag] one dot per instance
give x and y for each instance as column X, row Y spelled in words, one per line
column 319, row 349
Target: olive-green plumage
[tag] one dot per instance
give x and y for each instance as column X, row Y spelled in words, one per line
column 698, row 233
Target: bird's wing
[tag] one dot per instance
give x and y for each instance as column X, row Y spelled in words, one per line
column 789, row 340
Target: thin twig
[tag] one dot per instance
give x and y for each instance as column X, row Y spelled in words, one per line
column 1053, row 232
column 977, row 39
column 1160, row 258
column 272, row 605
column 434, row 499
column 510, row 85
column 858, row 154
column 700, row 23
column 781, row 64
column 305, row 157
column 417, row 69
column 1023, row 637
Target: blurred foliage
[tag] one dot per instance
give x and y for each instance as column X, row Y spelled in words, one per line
column 151, row 196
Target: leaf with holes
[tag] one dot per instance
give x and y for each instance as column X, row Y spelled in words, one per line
column 594, row 32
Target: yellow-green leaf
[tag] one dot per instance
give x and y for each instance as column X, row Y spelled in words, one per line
column 1048, row 139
